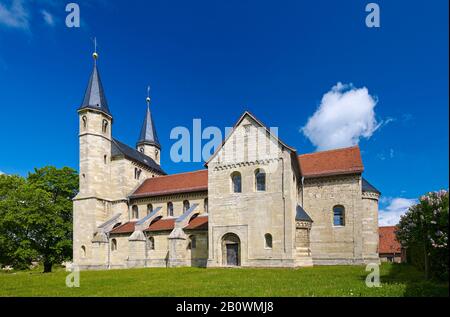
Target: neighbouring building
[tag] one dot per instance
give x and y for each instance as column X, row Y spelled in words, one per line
column 390, row 250
column 256, row 203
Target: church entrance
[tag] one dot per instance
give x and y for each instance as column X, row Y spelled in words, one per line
column 231, row 250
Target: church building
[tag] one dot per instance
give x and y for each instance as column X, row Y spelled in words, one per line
column 256, row 203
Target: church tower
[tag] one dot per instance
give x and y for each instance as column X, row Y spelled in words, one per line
column 148, row 142
column 92, row 203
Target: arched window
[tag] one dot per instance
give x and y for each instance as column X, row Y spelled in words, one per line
column 83, row 251
column 260, row 180
column 156, row 154
column 84, row 119
column 338, row 216
column 205, row 205
column 192, row 242
column 113, row 245
column 141, row 150
column 186, row 205
column 151, row 243
column 134, row 212
column 268, row 241
column 170, row 209
column 105, row 158
column 104, row 126
column 149, row 209
column 236, row 182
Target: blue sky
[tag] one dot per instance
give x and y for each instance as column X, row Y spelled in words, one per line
column 214, row 59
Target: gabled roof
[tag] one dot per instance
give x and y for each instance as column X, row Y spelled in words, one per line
column 332, row 162
column 388, row 240
column 245, row 114
column 148, row 131
column 120, row 149
column 367, row 187
column 301, row 214
column 94, row 97
column 173, row 184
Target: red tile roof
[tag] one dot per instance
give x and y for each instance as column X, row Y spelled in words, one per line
column 162, row 225
column 198, row 223
column 333, row 162
column 388, row 241
column 124, row 228
column 172, row 184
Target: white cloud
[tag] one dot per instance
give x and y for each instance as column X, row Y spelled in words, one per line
column 345, row 115
column 48, row 18
column 14, row 16
column 390, row 215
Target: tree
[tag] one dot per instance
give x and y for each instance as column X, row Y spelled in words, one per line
column 425, row 227
column 37, row 217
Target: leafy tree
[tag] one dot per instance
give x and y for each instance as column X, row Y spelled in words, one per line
column 36, row 217
column 425, row 227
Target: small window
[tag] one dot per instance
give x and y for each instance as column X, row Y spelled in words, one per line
column 84, row 119
column 137, row 173
column 338, row 216
column 141, row 150
column 83, row 251
column 205, row 205
column 134, row 212
column 156, row 155
column 105, row 158
column 113, row 245
column 260, row 180
column 170, row 209
column 186, row 206
column 149, row 209
column 192, row 243
column 151, row 243
column 236, row 182
column 104, row 126
column 268, row 241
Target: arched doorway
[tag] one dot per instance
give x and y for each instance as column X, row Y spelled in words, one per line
column 231, row 250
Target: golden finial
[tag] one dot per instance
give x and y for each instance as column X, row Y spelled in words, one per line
column 95, row 54
column 148, row 95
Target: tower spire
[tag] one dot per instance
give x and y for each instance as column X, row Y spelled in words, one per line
column 94, row 97
column 148, row 135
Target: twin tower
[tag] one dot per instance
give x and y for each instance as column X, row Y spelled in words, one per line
column 109, row 169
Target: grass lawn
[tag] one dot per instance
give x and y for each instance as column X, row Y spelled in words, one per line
column 396, row 280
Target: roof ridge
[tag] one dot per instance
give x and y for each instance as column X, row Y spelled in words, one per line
column 332, row 150
column 183, row 173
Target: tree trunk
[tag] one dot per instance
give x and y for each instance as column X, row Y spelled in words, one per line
column 427, row 262
column 47, row 266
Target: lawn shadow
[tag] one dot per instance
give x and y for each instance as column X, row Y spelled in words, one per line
column 414, row 280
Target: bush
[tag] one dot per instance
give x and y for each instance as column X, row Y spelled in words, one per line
column 423, row 230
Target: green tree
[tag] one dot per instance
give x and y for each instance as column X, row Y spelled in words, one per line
column 37, row 217
column 424, row 227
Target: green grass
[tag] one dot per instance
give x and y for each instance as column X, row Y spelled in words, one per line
column 396, row 280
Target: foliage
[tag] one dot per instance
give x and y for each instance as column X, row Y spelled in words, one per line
column 36, row 217
column 423, row 230
column 396, row 280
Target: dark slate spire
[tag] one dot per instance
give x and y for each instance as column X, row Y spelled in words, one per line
column 148, row 132
column 94, row 97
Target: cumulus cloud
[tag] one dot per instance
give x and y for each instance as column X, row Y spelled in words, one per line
column 345, row 115
column 15, row 15
column 390, row 215
column 48, row 18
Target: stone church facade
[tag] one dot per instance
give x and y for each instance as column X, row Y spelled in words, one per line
column 256, row 203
